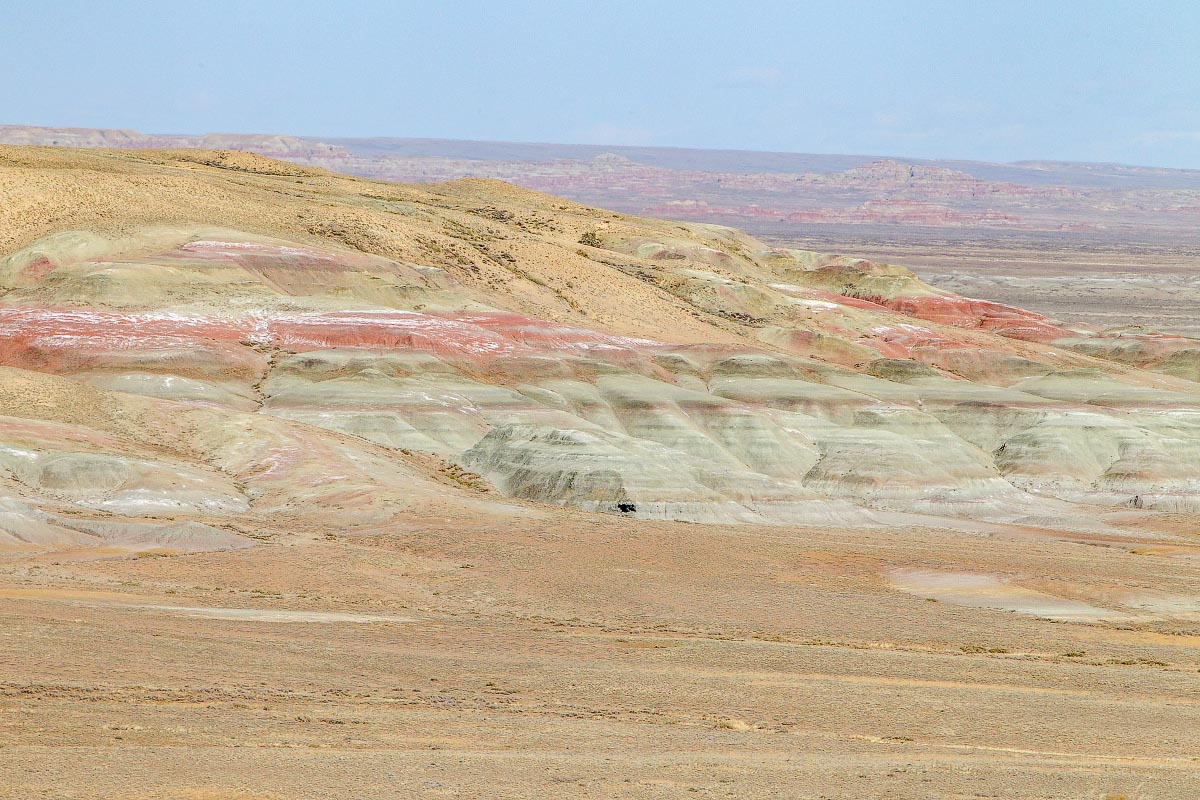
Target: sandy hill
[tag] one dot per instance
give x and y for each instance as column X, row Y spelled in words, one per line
column 549, row 351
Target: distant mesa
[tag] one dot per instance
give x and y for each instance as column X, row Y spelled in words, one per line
column 893, row 211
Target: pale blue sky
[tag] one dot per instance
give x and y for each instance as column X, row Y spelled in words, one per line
column 1088, row 81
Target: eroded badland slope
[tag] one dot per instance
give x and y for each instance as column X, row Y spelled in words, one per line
column 299, row 451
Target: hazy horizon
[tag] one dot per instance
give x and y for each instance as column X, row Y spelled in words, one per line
column 1075, row 81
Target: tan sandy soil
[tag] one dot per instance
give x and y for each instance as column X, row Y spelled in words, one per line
column 592, row 657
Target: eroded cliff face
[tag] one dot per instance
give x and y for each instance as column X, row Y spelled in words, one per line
column 194, row 339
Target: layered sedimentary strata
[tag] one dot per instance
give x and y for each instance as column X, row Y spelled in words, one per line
column 355, row 348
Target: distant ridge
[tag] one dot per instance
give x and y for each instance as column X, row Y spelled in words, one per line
column 781, row 196
column 1065, row 173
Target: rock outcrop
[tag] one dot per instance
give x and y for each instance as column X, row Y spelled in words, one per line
column 302, row 349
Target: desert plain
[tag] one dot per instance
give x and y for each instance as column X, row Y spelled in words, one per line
column 314, row 486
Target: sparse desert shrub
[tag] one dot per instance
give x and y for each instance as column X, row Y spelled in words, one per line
column 591, row 239
column 731, row 724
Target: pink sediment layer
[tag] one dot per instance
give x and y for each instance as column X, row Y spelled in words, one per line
column 473, row 335
column 964, row 312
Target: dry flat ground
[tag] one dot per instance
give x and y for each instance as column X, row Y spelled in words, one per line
column 585, row 656
column 1108, row 281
